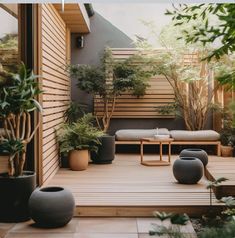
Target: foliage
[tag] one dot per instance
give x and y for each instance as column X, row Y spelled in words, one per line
column 17, row 100
column 74, row 112
column 79, row 135
column 111, row 79
column 173, row 230
column 219, row 27
column 227, row 133
column 228, row 231
column 213, row 184
column 191, row 85
column 9, row 41
column 216, row 26
column 10, row 45
column 189, row 76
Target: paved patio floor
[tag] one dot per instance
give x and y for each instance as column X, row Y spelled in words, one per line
column 89, row 228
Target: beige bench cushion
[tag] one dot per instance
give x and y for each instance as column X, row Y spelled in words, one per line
column 137, row 134
column 203, row 135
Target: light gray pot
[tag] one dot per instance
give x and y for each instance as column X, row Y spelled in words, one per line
column 51, row 206
column 197, row 153
column 188, row 170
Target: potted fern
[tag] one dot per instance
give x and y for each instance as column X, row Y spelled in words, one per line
column 17, row 102
column 78, row 139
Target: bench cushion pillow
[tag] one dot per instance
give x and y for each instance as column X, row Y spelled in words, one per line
column 202, row 135
column 137, row 134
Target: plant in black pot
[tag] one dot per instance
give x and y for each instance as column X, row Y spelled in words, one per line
column 78, row 139
column 17, row 102
column 106, row 82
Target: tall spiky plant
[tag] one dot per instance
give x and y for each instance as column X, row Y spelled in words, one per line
column 17, row 102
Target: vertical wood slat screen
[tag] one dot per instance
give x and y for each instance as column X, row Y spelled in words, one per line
column 159, row 93
column 55, row 85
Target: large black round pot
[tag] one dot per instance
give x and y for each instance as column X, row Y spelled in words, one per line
column 188, row 170
column 196, row 153
column 14, row 196
column 51, row 206
column 106, row 150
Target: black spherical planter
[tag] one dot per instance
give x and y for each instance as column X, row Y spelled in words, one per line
column 106, row 150
column 188, row 170
column 14, row 196
column 197, row 153
column 51, row 206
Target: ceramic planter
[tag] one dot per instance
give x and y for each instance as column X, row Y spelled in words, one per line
column 106, row 150
column 78, row 159
column 188, row 170
column 51, row 206
column 14, row 196
column 197, row 153
column 226, row 151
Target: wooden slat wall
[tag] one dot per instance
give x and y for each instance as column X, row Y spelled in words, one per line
column 159, row 93
column 55, row 84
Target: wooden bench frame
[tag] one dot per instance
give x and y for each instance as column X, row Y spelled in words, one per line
column 216, row 143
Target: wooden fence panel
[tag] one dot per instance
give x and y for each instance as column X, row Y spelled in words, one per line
column 55, row 85
column 158, row 94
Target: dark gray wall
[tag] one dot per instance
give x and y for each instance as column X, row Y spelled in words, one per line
column 104, row 34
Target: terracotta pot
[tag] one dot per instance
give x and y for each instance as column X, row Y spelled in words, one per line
column 78, row 159
column 226, row 151
column 4, row 163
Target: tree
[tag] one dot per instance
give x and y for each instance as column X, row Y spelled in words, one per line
column 109, row 80
column 217, row 25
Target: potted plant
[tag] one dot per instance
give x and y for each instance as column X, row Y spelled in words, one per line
column 78, row 139
column 227, row 138
column 106, row 82
column 227, row 134
column 17, row 102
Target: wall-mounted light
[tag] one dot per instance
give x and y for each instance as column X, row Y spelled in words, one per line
column 80, row 42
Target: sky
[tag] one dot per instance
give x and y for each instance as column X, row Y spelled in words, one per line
column 127, row 17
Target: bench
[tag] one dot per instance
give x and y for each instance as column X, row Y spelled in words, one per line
column 181, row 137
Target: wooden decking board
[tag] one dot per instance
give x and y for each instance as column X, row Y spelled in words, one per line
column 118, row 189
column 222, row 167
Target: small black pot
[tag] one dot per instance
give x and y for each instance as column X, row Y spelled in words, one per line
column 106, row 150
column 51, row 206
column 14, row 196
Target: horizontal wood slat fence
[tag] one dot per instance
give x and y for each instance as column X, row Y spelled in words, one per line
column 158, row 94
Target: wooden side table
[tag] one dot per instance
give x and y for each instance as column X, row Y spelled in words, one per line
column 159, row 162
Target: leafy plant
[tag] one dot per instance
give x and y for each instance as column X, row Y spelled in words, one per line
column 214, row 25
column 74, row 112
column 214, row 184
column 17, row 101
column 226, row 231
column 173, row 230
column 79, row 135
column 109, row 80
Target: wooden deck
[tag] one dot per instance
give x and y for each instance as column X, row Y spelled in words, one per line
column 126, row 188
column 222, row 167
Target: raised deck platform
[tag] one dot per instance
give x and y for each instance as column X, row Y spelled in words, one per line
column 222, row 167
column 126, row 188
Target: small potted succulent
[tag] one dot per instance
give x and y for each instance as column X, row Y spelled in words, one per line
column 78, row 139
column 17, row 103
